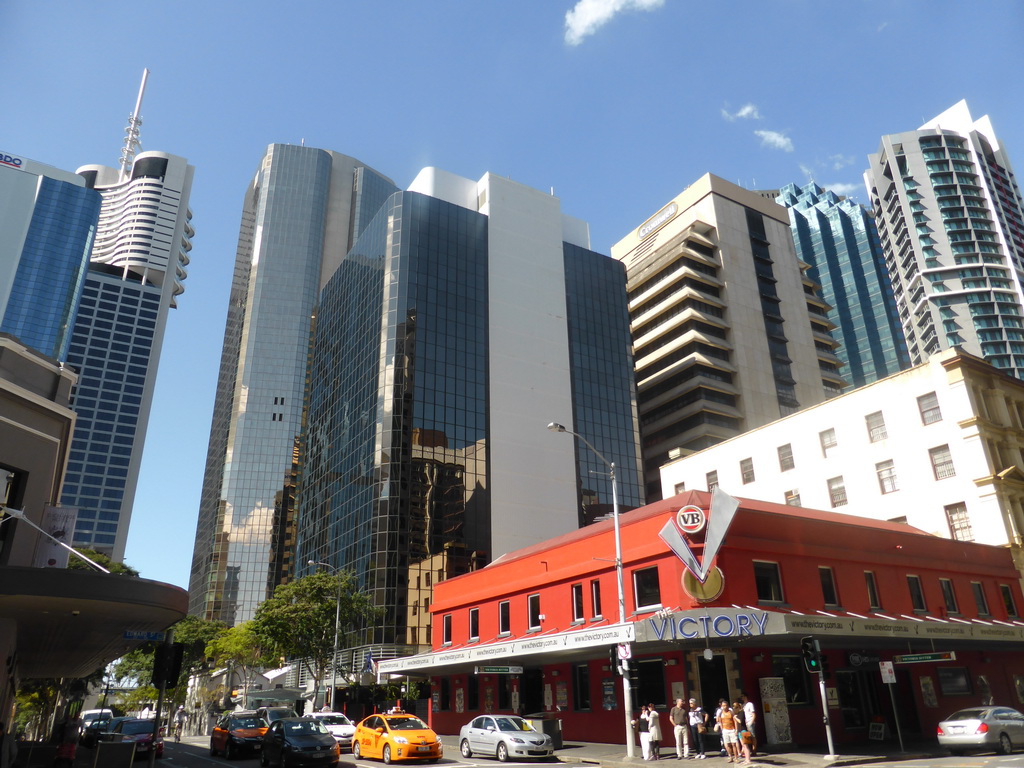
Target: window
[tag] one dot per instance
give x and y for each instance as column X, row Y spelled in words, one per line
column 504, row 618
column 916, row 593
column 474, row 623
column 786, row 457
column 747, row 470
column 837, row 491
column 887, row 477
column 928, row 405
column 577, row 602
column 793, row 497
column 581, row 687
column 533, row 611
column 954, row 681
column 828, row 440
column 959, row 523
column 942, row 462
column 876, row 426
column 712, row 478
column 472, row 692
column 646, row 590
column 828, row 586
column 446, row 629
column 949, row 595
column 679, row 488
column 768, row 581
column 872, row 586
column 1008, row 602
column 794, row 678
column 446, row 694
column 595, row 598
column 980, row 600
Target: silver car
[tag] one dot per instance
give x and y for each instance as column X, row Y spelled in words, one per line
column 981, row 729
column 503, row 736
column 341, row 728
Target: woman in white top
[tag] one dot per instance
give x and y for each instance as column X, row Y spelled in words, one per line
column 654, row 727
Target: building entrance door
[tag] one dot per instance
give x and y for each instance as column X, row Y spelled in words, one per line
column 532, row 691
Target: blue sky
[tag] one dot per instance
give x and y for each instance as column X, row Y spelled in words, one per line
column 615, row 104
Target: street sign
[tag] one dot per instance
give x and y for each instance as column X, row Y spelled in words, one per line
column 888, row 673
column 138, row 634
column 917, row 658
column 498, row 670
column 625, row 651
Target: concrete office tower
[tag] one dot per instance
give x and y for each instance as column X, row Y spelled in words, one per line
column 467, row 316
column 951, row 222
column 47, row 225
column 135, row 271
column 838, row 238
column 729, row 330
column 301, row 213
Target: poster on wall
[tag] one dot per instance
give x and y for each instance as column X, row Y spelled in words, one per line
column 460, row 700
column 928, row 692
column 562, row 690
column 1018, row 684
column 548, row 701
column 488, row 699
column 436, row 701
column 608, row 693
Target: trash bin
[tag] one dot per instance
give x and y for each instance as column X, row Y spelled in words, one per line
column 547, row 722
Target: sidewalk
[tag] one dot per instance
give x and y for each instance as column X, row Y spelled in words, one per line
column 614, row 755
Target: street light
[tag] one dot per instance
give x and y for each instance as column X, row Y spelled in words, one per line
column 337, row 624
column 627, row 691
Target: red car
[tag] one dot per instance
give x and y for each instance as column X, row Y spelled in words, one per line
column 141, row 732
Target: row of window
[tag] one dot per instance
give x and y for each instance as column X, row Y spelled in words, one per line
column 768, row 580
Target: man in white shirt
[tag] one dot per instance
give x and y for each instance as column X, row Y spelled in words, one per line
column 750, row 715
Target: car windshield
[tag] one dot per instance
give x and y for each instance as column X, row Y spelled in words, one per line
column 406, row 724
column 334, row 720
column 304, row 726
column 968, row 714
column 138, row 726
column 512, row 724
column 247, row 722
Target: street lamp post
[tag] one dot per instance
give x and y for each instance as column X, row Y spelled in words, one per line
column 337, row 624
column 627, row 690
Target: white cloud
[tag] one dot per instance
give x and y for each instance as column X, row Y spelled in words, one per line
column 807, row 171
column 841, row 161
column 775, row 140
column 746, row 112
column 844, row 190
column 587, row 16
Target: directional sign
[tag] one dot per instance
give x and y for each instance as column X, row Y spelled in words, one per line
column 917, row 658
column 498, row 670
column 888, row 673
column 138, row 634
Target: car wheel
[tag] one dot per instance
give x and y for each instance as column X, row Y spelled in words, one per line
column 503, row 752
column 464, row 748
column 264, row 759
column 230, row 753
column 213, row 749
column 386, row 754
column 356, row 751
column 1005, row 745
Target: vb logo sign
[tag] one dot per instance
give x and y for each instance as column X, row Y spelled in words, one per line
column 691, row 520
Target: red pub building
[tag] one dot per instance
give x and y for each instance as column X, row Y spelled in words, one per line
column 717, row 600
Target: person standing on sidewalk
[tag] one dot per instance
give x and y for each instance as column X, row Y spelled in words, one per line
column 750, row 715
column 698, row 724
column 642, row 725
column 679, row 716
column 654, row 726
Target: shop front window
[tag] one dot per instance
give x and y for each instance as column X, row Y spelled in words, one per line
column 794, row 678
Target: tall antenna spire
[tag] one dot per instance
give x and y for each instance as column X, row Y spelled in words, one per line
column 131, row 131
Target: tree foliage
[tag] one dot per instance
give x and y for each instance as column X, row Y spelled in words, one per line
column 78, row 564
column 298, row 621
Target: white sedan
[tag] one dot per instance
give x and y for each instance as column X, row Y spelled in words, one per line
column 341, row 728
column 503, row 736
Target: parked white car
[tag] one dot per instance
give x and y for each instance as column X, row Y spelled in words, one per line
column 341, row 728
column 504, row 737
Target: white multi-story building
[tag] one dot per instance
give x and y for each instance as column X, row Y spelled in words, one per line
column 950, row 220
column 729, row 331
column 939, row 446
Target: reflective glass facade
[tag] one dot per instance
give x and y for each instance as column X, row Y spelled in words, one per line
column 838, row 238
column 245, row 515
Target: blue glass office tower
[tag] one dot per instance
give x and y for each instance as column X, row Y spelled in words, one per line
column 465, row 318
column 301, row 214
column 839, row 240
column 47, row 225
column 136, row 266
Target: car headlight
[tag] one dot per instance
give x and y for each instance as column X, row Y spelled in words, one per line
column 517, row 740
column 401, row 740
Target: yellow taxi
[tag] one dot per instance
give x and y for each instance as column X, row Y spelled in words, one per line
column 396, row 737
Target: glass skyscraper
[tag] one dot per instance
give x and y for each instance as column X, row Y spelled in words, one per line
column 47, row 225
column 138, row 261
column 301, row 214
column 839, row 240
column 951, row 223
column 466, row 317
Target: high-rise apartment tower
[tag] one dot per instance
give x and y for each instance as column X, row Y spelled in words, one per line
column 729, row 330
column 951, row 223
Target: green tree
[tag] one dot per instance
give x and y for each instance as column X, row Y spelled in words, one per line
column 298, row 621
column 78, row 564
column 239, row 648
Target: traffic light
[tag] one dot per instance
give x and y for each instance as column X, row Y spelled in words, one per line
column 811, row 653
column 167, row 664
column 823, row 660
